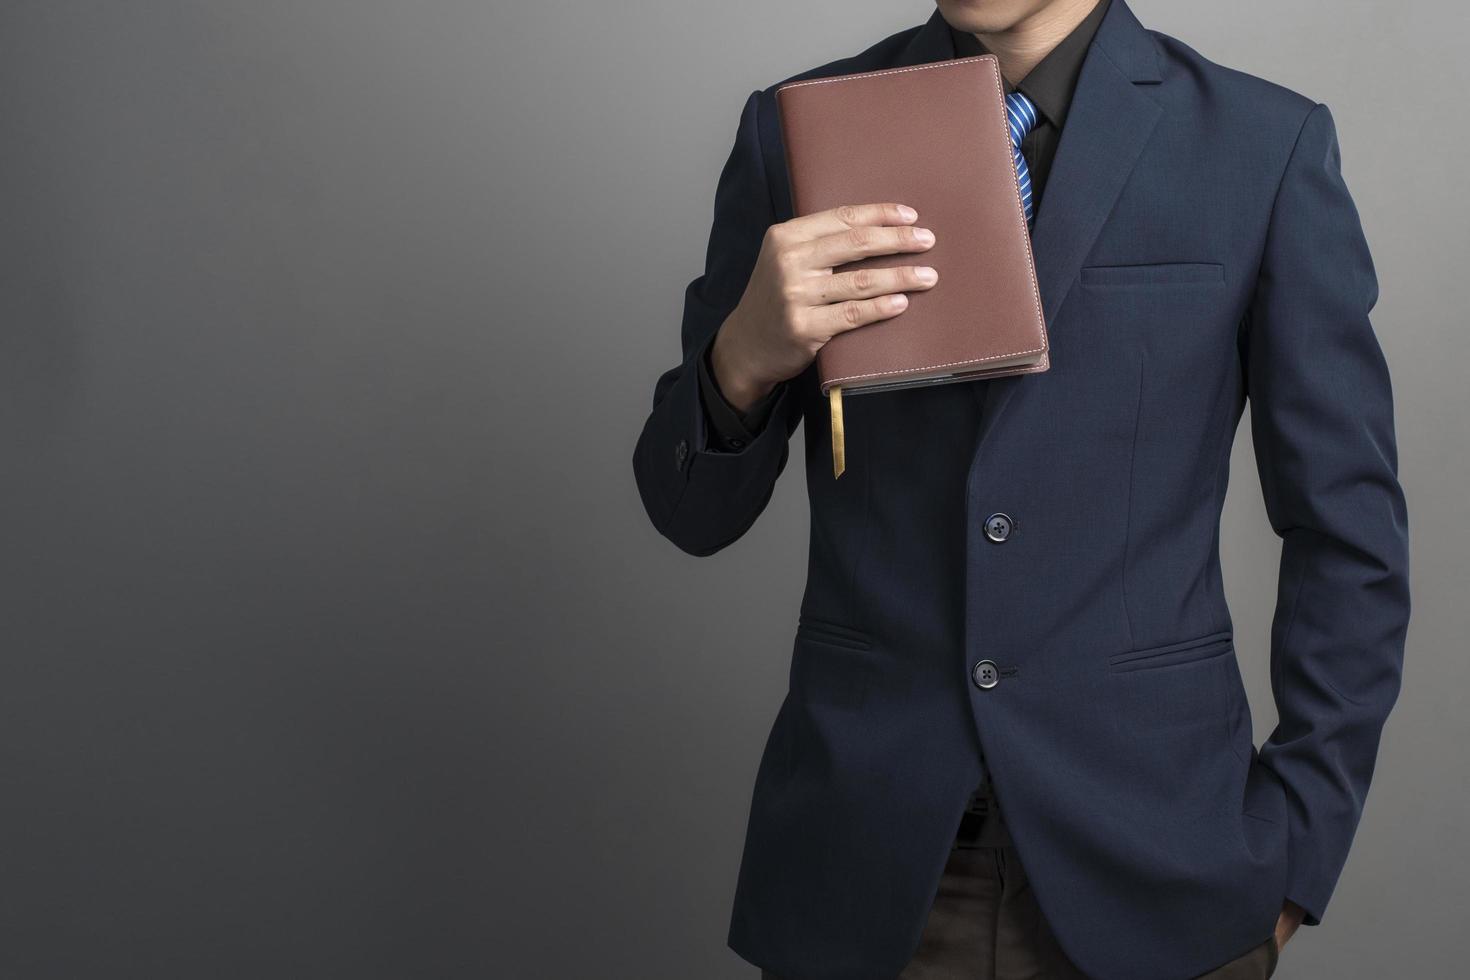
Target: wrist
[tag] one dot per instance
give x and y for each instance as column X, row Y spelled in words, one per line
column 738, row 385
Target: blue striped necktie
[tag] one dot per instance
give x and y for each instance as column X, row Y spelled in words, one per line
column 1021, row 117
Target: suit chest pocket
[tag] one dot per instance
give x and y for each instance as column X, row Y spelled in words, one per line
column 1154, row 274
column 1178, row 316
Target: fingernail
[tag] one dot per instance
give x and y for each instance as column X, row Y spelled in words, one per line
column 926, row 273
column 924, row 235
column 907, row 213
column 897, row 301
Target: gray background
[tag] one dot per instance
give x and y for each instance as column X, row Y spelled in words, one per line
column 335, row 639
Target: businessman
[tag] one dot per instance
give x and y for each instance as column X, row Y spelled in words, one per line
column 1016, row 742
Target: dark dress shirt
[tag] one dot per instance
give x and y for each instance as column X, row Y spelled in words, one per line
column 1049, row 86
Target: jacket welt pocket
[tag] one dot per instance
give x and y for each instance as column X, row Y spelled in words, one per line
column 1169, row 654
column 832, row 634
column 1157, row 274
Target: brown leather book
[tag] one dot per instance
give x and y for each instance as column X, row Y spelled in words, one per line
column 932, row 136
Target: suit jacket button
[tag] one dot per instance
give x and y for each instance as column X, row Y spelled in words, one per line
column 681, row 452
column 998, row 527
column 985, row 674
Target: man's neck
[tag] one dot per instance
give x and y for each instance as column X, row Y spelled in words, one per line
column 1021, row 47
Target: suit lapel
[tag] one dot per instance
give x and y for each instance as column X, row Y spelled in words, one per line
column 1109, row 122
column 1107, row 125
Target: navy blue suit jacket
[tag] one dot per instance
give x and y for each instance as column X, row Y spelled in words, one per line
column 1196, row 248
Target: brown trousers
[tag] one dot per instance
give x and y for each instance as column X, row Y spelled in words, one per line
column 985, row 923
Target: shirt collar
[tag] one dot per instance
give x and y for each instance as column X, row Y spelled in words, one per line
column 1050, row 84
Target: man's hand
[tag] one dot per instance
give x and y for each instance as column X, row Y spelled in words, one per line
column 1287, row 922
column 794, row 302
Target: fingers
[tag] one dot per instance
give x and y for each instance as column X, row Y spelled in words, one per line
column 867, row 283
column 838, row 219
column 822, row 300
column 853, row 299
column 849, row 314
column 853, row 231
column 848, row 232
column 862, row 241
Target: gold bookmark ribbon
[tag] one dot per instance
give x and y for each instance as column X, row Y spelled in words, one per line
column 839, row 458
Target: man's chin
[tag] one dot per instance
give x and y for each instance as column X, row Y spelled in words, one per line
column 988, row 16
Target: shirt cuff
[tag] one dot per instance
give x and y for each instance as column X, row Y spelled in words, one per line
column 730, row 430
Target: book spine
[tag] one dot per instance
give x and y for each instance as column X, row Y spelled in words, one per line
column 798, row 208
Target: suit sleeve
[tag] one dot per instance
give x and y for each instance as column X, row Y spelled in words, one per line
column 698, row 496
column 1323, row 430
